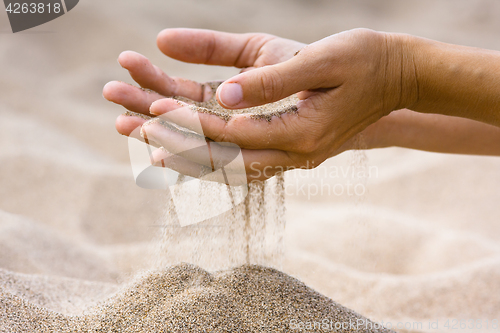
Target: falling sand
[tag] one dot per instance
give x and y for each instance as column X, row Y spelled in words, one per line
column 249, row 233
column 220, row 275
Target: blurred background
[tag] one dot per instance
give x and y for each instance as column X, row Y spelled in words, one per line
column 420, row 244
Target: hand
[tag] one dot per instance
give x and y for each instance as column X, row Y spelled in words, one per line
column 343, row 81
column 197, row 46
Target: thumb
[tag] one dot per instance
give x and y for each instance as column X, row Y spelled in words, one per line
column 268, row 84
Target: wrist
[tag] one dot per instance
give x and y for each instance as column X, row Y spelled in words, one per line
column 455, row 80
column 403, row 86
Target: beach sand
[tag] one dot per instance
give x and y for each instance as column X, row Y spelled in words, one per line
column 419, row 248
column 185, row 298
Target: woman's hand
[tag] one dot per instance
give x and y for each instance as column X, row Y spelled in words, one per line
column 344, row 83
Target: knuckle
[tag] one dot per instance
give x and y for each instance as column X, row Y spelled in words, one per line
column 309, row 145
column 271, row 85
column 219, row 137
column 210, row 49
column 307, row 142
column 303, row 161
column 222, row 135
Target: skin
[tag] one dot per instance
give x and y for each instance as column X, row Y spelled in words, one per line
column 397, row 90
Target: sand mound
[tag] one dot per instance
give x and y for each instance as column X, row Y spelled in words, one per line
column 185, row 298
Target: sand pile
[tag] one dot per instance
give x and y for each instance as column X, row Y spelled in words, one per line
column 185, row 298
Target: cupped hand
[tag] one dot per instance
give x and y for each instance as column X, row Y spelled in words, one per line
column 345, row 82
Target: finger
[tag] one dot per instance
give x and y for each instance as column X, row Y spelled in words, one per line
column 258, row 164
column 220, row 159
column 240, row 129
column 196, row 149
column 212, row 47
column 263, row 164
column 165, row 159
column 266, row 163
column 164, row 105
column 151, row 77
column 191, row 148
column 177, row 112
column 246, row 69
column 130, row 97
column 272, row 83
column 227, row 174
column 126, row 125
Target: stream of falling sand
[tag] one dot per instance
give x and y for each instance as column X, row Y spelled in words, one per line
column 252, row 232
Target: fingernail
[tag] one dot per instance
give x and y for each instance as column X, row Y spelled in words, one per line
column 156, row 108
column 153, row 109
column 230, row 94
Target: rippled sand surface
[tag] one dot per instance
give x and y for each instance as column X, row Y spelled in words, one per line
column 77, row 236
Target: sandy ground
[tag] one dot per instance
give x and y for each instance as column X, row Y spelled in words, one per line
column 419, row 248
